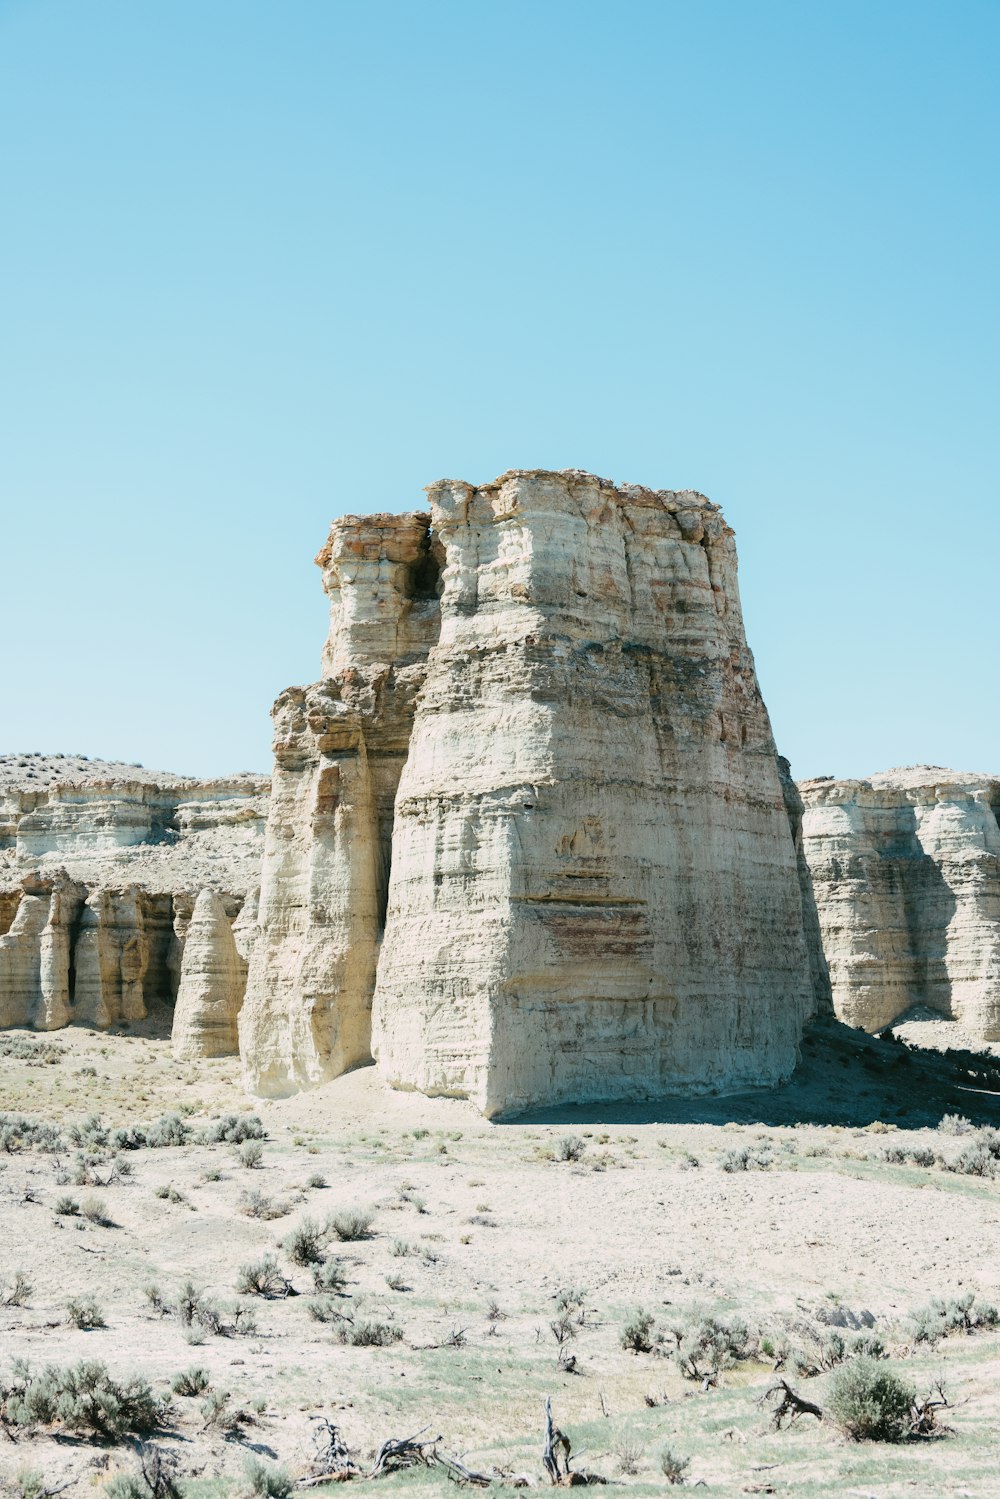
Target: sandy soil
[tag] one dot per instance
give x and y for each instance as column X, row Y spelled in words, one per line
column 468, row 1216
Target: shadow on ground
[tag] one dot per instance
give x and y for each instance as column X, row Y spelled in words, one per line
column 845, row 1077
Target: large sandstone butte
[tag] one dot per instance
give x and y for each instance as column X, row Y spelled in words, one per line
column 905, row 867
column 527, row 840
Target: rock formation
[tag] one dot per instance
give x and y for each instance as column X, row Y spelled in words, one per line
column 905, row 870
column 585, row 885
column 99, row 869
column 339, row 750
column 212, row 981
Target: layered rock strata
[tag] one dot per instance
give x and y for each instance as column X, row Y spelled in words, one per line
column 905, row 871
column 100, row 869
column 340, row 747
column 585, row 885
column 212, row 982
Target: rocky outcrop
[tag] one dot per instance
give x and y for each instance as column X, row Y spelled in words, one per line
column 339, row 749
column 585, row 885
column 212, row 983
column 99, row 868
column 905, row 871
column 593, row 890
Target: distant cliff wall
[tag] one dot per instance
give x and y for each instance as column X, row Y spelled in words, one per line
column 905, row 873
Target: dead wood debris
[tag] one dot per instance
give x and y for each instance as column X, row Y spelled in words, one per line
column 790, row 1406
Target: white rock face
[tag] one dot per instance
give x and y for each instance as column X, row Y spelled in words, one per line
column 905, row 869
column 99, row 867
column 593, row 888
column 212, row 983
column 339, row 750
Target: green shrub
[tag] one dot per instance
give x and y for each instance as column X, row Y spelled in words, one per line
column 82, row 1399
column 29, row 1484
column 747, row 1158
column 169, row 1130
column 324, row 1309
column 251, row 1154
column 961, row 1314
column 902, row 1155
column 194, row 1307
column 67, row 1207
column 316, row 1180
column 636, row 1335
column 193, row 1381
column 869, row 1402
column 17, row 1132
column 975, row 1160
column 85, row 1313
column 217, row 1412
column 707, row 1346
column 264, row 1481
column 152, row 1479
column 570, row 1148
column 369, row 1334
column 234, row 1129
column 571, row 1299
column 673, row 1468
column 330, row 1277
column 350, row 1224
column 304, row 1245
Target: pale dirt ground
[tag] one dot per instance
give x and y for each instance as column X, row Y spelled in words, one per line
column 627, row 1222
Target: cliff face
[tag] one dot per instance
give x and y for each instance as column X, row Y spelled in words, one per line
column 339, row 750
column 905, row 869
column 587, row 887
column 593, row 889
column 100, row 867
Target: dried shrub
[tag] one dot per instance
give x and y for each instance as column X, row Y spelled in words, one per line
column 256, row 1204
column 262, row 1278
column 153, row 1478
column 17, row 1291
column 672, row 1467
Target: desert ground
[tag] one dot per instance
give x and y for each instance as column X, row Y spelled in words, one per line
column 500, row 1264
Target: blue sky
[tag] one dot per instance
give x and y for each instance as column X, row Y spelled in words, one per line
column 264, row 264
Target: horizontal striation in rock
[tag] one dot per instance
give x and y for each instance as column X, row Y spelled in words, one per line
column 905, row 873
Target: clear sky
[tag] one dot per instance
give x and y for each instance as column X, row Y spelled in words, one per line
column 264, row 264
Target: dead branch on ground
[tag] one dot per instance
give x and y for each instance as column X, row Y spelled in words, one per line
column 790, row 1406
